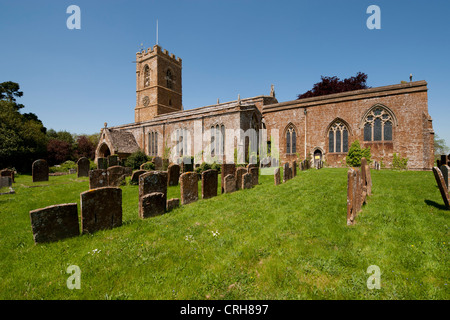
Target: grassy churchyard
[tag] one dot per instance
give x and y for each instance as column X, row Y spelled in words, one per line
column 270, row 242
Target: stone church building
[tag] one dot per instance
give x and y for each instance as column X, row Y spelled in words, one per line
column 389, row 119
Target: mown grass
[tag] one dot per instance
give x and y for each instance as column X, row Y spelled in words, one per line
column 271, row 242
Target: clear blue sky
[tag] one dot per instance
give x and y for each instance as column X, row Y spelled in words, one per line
column 75, row 80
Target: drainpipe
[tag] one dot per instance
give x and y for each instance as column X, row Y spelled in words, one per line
column 305, row 112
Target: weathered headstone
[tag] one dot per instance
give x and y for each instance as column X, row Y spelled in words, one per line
column 116, row 176
column 189, row 187
column 113, row 160
column 294, row 169
column 128, row 171
column 209, row 183
column 286, row 170
column 444, row 159
column 55, row 223
column 254, row 171
column 5, row 182
column 226, row 169
column 158, row 162
column 276, row 176
column 40, row 170
column 102, row 163
column 153, row 181
column 247, row 181
column 7, row 173
column 152, row 204
column 98, row 178
column 101, row 209
column 351, row 195
column 83, row 167
column 172, row 204
column 173, row 172
column 442, row 187
column 135, row 176
column 229, row 183
column 445, row 173
column 240, row 171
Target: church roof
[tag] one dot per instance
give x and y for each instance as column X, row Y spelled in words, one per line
column 122, row 141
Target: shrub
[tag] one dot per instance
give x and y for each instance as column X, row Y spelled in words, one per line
column 149, row 166
column 356, row 153
column 399, row 163
column 136, row 159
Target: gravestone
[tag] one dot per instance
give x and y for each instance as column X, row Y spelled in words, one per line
column 444, row 160
column 98, row 178
column 226, row 169
column 152, row 204
column 351, row 195
column 40, row 170
column 102, row 163
column 158, row 162
column 240, row 171
column 173, row 172
column 135, row 176
column 209, row 183
column 445, row 173
column 153, row 181
column 116, row 176
column 113, row 160
column 294, row 169
column 229, row 183
column 254, row 171
column 442, row 187
column 172, row 204
column 55, row 223
column 286, row 172
column 189, row 187
column 83, row 165
column 276, row 176
column 5, row 182
column 7, row 173
column 247, row 181
column 101, row 209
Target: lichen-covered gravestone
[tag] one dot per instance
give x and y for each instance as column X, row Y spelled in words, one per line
column 173, row 172
column 254, row 171
column 83, row 165
column 240, row 171
column 101, row 209
column 209, row 183
column 189, row 187
column 135, row 176
column 55, row 223
column 116, row 176
column 153, row 181
column 113, row 160
column 98, row 178
column 442, row 187
column 445, row 173
column 294, row 169
column 286, row 171
column 40, row 170
column 152, row 204
column 276, row 176
column 7, row 173
column 229, row 184
column 102, row 163
column 227, row 168
column 172, row 204
column 247, row 181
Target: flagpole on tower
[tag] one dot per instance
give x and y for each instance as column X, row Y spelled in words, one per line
column 157, row 32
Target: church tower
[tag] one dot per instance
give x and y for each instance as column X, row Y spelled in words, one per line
column 158, row 84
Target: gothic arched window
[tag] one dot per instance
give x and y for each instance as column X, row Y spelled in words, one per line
column 153, row 143
column 291, row 140
column 338, row 137
column 169, row 79
column 146, row 76
column 378, row 125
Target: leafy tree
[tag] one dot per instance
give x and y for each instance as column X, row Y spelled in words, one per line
column 440, row 146
column 9, row 91
column 84, row 148
column 330, row 85
column 58, row 151
column 355, row 153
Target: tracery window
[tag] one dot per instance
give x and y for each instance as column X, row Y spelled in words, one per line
column 169, row 79
column 153, row 143
column 378, row 125
column 291, row 140
column 217, row 140
column 338, row 137
column 146, row 76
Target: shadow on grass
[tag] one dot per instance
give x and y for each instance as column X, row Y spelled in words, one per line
column 435, row 204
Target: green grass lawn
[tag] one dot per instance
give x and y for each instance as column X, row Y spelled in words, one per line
column 271, row 242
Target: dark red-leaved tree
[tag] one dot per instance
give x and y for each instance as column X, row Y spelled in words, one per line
column 330, row 85
column 58, row 151
column 84, row 148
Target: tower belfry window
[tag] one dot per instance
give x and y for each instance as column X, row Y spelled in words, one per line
column 169, row 79
column 146, row 76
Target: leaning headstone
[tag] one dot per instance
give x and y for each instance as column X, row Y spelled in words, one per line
column 227, row 168
column 229, row 183
column 113, row 160
column 83, row 167
column 172, row 204
column 98, row 178
column 101, row 209
column 444, row 159
column 153, row 181
column 135, row 176
column 116, row 176
column 102, row 163
column 40, row 170
column 240, row 171
column 286, row 172
column 276, row 176
column 209, row 183
column 254, row 171
column 247, row 180
column 55, row 223
column 152, row 204
column 7, row 173
column 445, row 173
column 442, row 187
column 173, row 172
column 351, row 195
column 189, row 187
